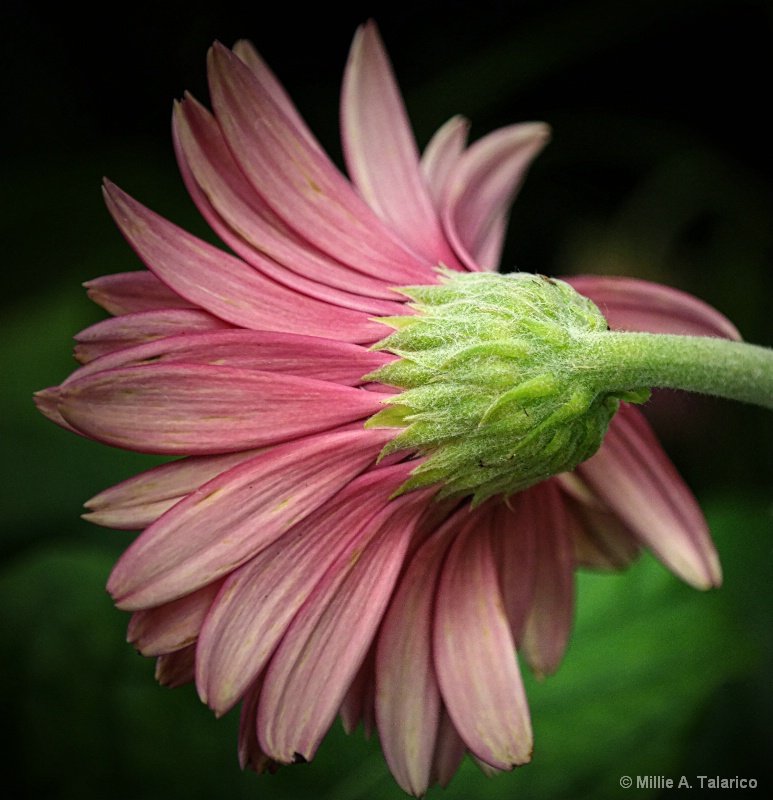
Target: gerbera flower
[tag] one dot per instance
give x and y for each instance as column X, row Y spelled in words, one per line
column 283, row 563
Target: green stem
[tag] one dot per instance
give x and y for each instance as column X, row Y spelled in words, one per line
column 720, row 367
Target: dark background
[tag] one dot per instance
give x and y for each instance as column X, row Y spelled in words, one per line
column 659, row 168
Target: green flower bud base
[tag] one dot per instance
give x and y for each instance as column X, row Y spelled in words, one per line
column 491, row 391
column 510, row 379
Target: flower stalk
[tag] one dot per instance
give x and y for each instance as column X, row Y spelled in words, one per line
column 618, row 360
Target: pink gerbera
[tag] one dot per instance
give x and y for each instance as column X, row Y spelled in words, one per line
column 280, row 565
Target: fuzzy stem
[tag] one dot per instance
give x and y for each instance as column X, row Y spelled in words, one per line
column 721, row 367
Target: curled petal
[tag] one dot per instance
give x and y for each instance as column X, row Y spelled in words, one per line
column 635, row 479
column 482, row 187
column 237, row 514
column 475, row 656
column 380, row 150
column 192, row 409
column 635, row 305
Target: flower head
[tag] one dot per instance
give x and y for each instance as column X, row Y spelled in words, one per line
column 321, row 548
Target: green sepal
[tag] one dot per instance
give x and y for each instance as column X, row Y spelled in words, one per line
column 637, row 396
column 492, row 399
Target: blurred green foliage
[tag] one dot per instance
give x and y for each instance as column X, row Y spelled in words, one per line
column 657, row 173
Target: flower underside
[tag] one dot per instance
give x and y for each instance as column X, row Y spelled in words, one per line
column 283, row 564
column 494, row 393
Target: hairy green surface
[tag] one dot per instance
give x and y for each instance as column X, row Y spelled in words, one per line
column 491, row 393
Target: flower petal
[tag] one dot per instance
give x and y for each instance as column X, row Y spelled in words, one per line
column 635, row 479
column 299, row 182
column 408, row 699
column 482, row 187
column 635, row 305
column 327, row 641
column 226, row 286
column 47, row 402
column 449, row 751
column 549, row 621
column 192, row 409
column 474, row 652
column 245, row 222
column 259, row 600
column 601, row 541
column 176, row 669
column 171, row 626
column 441, row 155
column 139, row 501
column 246, row 51
column 359, row 702
column 131, row 329
column 237, row 514
column 269, row 351
column 128, row 292
column 380, row 150
column 250, row 753
column 513, row 544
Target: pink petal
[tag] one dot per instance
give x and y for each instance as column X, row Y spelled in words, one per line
column 482, row 187
column 259, row 600
column 172, row 626
column 549, row 621
column 192, row 409
column 474, row 652
column 634, row 478
column 176, row 669
column 601, row 541
column 226, row 286
column 250, row 753
column 244, row 221
column 359, row 702
column 299, row 182
column 128, row 292
column 513, row 533
column 246, row 51
column 327, row 641
column 634, row 305
column 139, row 501
column 269, row 351
column 449, row 751
column 441, row 155
column 408, row 699
column 380, row 150
column 128, row 330
column 237, row 514
column 47, row 402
